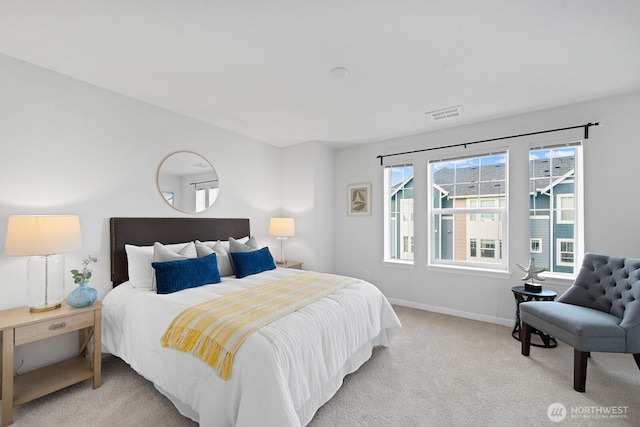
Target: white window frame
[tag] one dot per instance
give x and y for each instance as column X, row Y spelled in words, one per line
column 392, row 222
column 537, row 240
column 559, row 252
column 578, row 214
column 200, row 199
column 407, row 244
column 483, row 248
column 472, row 204
column 501, row 265
column 560, row 209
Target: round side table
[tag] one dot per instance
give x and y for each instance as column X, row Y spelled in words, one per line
column 522, row 295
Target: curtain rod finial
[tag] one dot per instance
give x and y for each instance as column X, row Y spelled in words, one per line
column 586, row 128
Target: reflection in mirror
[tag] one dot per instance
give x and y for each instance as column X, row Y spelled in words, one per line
column 187, row 182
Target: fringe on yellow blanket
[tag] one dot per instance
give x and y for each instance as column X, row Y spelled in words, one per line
column 214, row 330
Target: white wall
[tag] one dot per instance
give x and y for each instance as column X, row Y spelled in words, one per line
column 69, row 147
column 307, row 196
column 611, row 206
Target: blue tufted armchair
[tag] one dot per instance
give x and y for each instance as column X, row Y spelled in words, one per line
column 599, row 312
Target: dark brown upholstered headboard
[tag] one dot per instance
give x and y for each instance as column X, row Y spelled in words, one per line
column 146, row 231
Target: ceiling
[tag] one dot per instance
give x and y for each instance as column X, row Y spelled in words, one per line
column 262, row 68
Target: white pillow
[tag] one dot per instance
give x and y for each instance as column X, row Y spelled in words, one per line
column 225, row 243
column 242, row 245
column 163, row 253
column 139, row 265
column 222, row 255
column 139, row 259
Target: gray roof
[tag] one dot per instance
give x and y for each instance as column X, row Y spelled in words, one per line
column 548, row 171
column 491, row 179
column 470, row 181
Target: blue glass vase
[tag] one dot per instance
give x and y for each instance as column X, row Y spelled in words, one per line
column 82, row 296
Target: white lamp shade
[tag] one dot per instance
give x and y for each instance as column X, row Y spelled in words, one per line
column 29, row 235
column 284, row 227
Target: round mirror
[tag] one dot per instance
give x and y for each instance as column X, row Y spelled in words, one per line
column 187, row 182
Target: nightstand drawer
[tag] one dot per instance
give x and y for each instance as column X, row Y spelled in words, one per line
column 53, row 327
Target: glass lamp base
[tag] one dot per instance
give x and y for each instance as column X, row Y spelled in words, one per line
column 45, row 282
column 49, row 307
column 282, row 240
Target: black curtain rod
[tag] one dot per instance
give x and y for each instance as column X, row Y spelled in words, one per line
column 203, row 182
column 464, row 144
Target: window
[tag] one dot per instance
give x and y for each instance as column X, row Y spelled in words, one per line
column 565, row 208
column 487, row 248
column 200, row 199
column 565, row 252
column 555, row 215
column 398, row 203
column 205, row 195
column 487, row 203
column 535, row 245
column 168, row 196
column 407, row 245
column 469, row 205
column 473, row 203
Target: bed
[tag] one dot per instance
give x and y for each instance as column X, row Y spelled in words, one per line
column 281, row 374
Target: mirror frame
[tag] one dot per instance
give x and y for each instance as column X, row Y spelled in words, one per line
column 163, row 191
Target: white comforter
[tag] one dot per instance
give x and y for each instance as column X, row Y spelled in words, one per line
column 281, row 374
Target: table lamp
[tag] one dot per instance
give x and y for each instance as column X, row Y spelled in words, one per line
column 42, row 238
column 282, row 228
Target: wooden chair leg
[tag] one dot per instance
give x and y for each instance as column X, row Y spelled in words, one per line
column 525, row 339
column 580, row 370
column 637, row 358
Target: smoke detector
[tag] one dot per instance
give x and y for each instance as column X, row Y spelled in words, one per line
column 339, row 72
column 445, row 113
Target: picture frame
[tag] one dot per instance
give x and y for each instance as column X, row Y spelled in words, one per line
column 359, row 199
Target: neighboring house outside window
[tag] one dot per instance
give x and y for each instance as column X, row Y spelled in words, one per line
column 468, row 212
column 399, row 213
column 554, row 212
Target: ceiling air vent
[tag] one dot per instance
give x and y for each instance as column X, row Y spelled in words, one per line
column 445, row 113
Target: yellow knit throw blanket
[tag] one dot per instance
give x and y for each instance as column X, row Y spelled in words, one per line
column 214, row 330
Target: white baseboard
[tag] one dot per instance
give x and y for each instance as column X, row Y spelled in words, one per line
column 451, row 312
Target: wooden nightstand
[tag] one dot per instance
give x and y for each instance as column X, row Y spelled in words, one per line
column 18, row 326
column 290, row 264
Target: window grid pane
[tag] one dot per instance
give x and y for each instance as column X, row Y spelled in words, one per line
column 552, row 196
column 400, row 212
column 469, row 206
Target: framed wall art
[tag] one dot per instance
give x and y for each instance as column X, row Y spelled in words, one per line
column 359, row 199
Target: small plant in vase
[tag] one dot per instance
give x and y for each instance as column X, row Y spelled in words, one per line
column 83, row 295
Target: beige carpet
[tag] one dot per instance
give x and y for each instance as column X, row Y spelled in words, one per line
column 441, row 370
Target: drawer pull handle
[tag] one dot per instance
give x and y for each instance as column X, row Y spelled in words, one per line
column 56, row 326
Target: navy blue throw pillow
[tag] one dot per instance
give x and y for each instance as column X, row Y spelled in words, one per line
column 253, row 262
column 173, row 276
